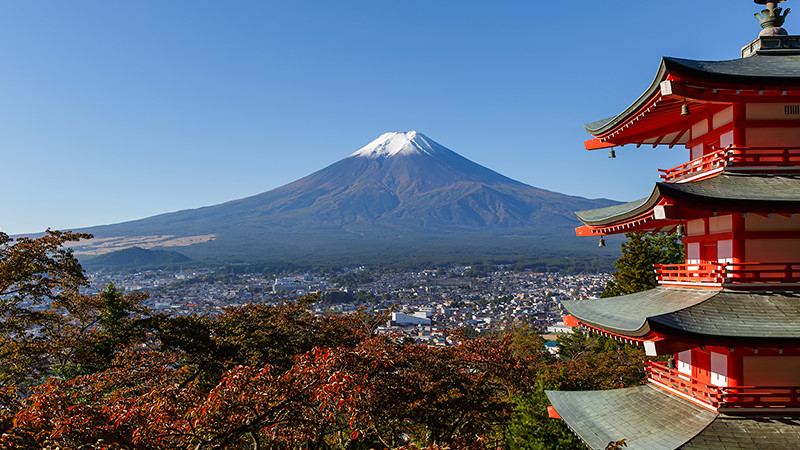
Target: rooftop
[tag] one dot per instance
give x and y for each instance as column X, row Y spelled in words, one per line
column 712, row 315
column 650, row 418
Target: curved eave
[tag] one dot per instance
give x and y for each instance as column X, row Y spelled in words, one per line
column 627, row 315
column 604, row 126
column 727, row 191
column 646, row 416
column 652, row 118
column 722, row 316
column 618, row 213
column 736, row 316
column 739, row 191
column 777, row 70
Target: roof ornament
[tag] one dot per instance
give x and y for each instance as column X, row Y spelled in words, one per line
column 771, row 19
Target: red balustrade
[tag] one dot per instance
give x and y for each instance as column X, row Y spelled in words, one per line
column 728, row 273
column 690, row 273
column 732, row 397
column 734, row 157
column 761, row 396
column 763, row 272
column 707, row 393
column 704, row 163
column 763, row 156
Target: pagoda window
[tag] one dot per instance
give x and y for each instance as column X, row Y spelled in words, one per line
column 696, row 151
column 771, row 370
column 684, row 362
column 768, row 111
column 774, row 222
column 725, row 251
column 723, row 117
column 726, row 139
column 693, row 253
column 695, row 227
column 719, row 369
column 772, row 137
column 699, row 128
column 772, row 250
column 720, row 224
column 773, row 238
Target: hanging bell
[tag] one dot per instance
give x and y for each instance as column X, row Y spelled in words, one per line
column 679, row 230
column 685, row 109
column 611, row 154
column 602, row 242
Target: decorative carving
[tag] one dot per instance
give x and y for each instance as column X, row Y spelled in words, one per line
column 772, row 17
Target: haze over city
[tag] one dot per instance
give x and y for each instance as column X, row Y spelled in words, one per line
column 127, row 110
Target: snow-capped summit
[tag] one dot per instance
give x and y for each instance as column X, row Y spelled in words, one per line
column 399, row 143
column 401, row 196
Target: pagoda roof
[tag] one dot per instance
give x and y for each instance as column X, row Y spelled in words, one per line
column 738, row 188
column 770, row 67
column 649, row 417
column 646, row 416
column 748, row 432
column 601, row 216
column 617, row 213
column 779, row 71
column 628, row 314
column 727, row 190
column 712, row 315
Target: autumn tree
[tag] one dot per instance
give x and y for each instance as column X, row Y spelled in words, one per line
column 586, row 362
column 99, row 371
column 39, row 279
column 93, row 328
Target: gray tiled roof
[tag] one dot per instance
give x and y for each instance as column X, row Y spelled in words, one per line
column 735, row 432
column 600, row 215
column 646, row 416
column 771, row 67
column 774, row 69
column 737, row 314
column 627, row 314
column 738, row 188
column 716, row 315
column 727, row 189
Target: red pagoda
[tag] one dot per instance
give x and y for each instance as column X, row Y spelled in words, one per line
column 729, row 317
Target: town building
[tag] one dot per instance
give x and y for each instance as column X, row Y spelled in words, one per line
column 727, row 320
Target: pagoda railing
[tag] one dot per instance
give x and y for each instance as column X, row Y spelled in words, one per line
column 690, row 273
column 758, row 273
column 757, row 157
column 762, row 272
column 704, row 163
column 687, row 384
column 763, row 156
column 731, row 397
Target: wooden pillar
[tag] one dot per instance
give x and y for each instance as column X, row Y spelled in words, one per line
column 739, row 131
column 738, row 229
column 735, row 367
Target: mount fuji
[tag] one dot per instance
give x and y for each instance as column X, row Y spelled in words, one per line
column 401, row 195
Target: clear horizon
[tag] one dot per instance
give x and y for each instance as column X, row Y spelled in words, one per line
column 116, row 111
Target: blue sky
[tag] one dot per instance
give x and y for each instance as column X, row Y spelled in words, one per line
column 112, row 111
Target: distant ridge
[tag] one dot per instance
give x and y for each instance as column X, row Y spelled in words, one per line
column 135, row 257
column 402, row 195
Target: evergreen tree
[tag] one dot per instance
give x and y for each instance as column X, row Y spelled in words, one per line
column 635, row 267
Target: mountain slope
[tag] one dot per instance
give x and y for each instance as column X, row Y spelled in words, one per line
column 401, row 188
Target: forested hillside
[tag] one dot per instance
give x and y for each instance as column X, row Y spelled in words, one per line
column 101, row 371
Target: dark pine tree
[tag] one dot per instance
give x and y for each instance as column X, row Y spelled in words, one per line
column 635, row 267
